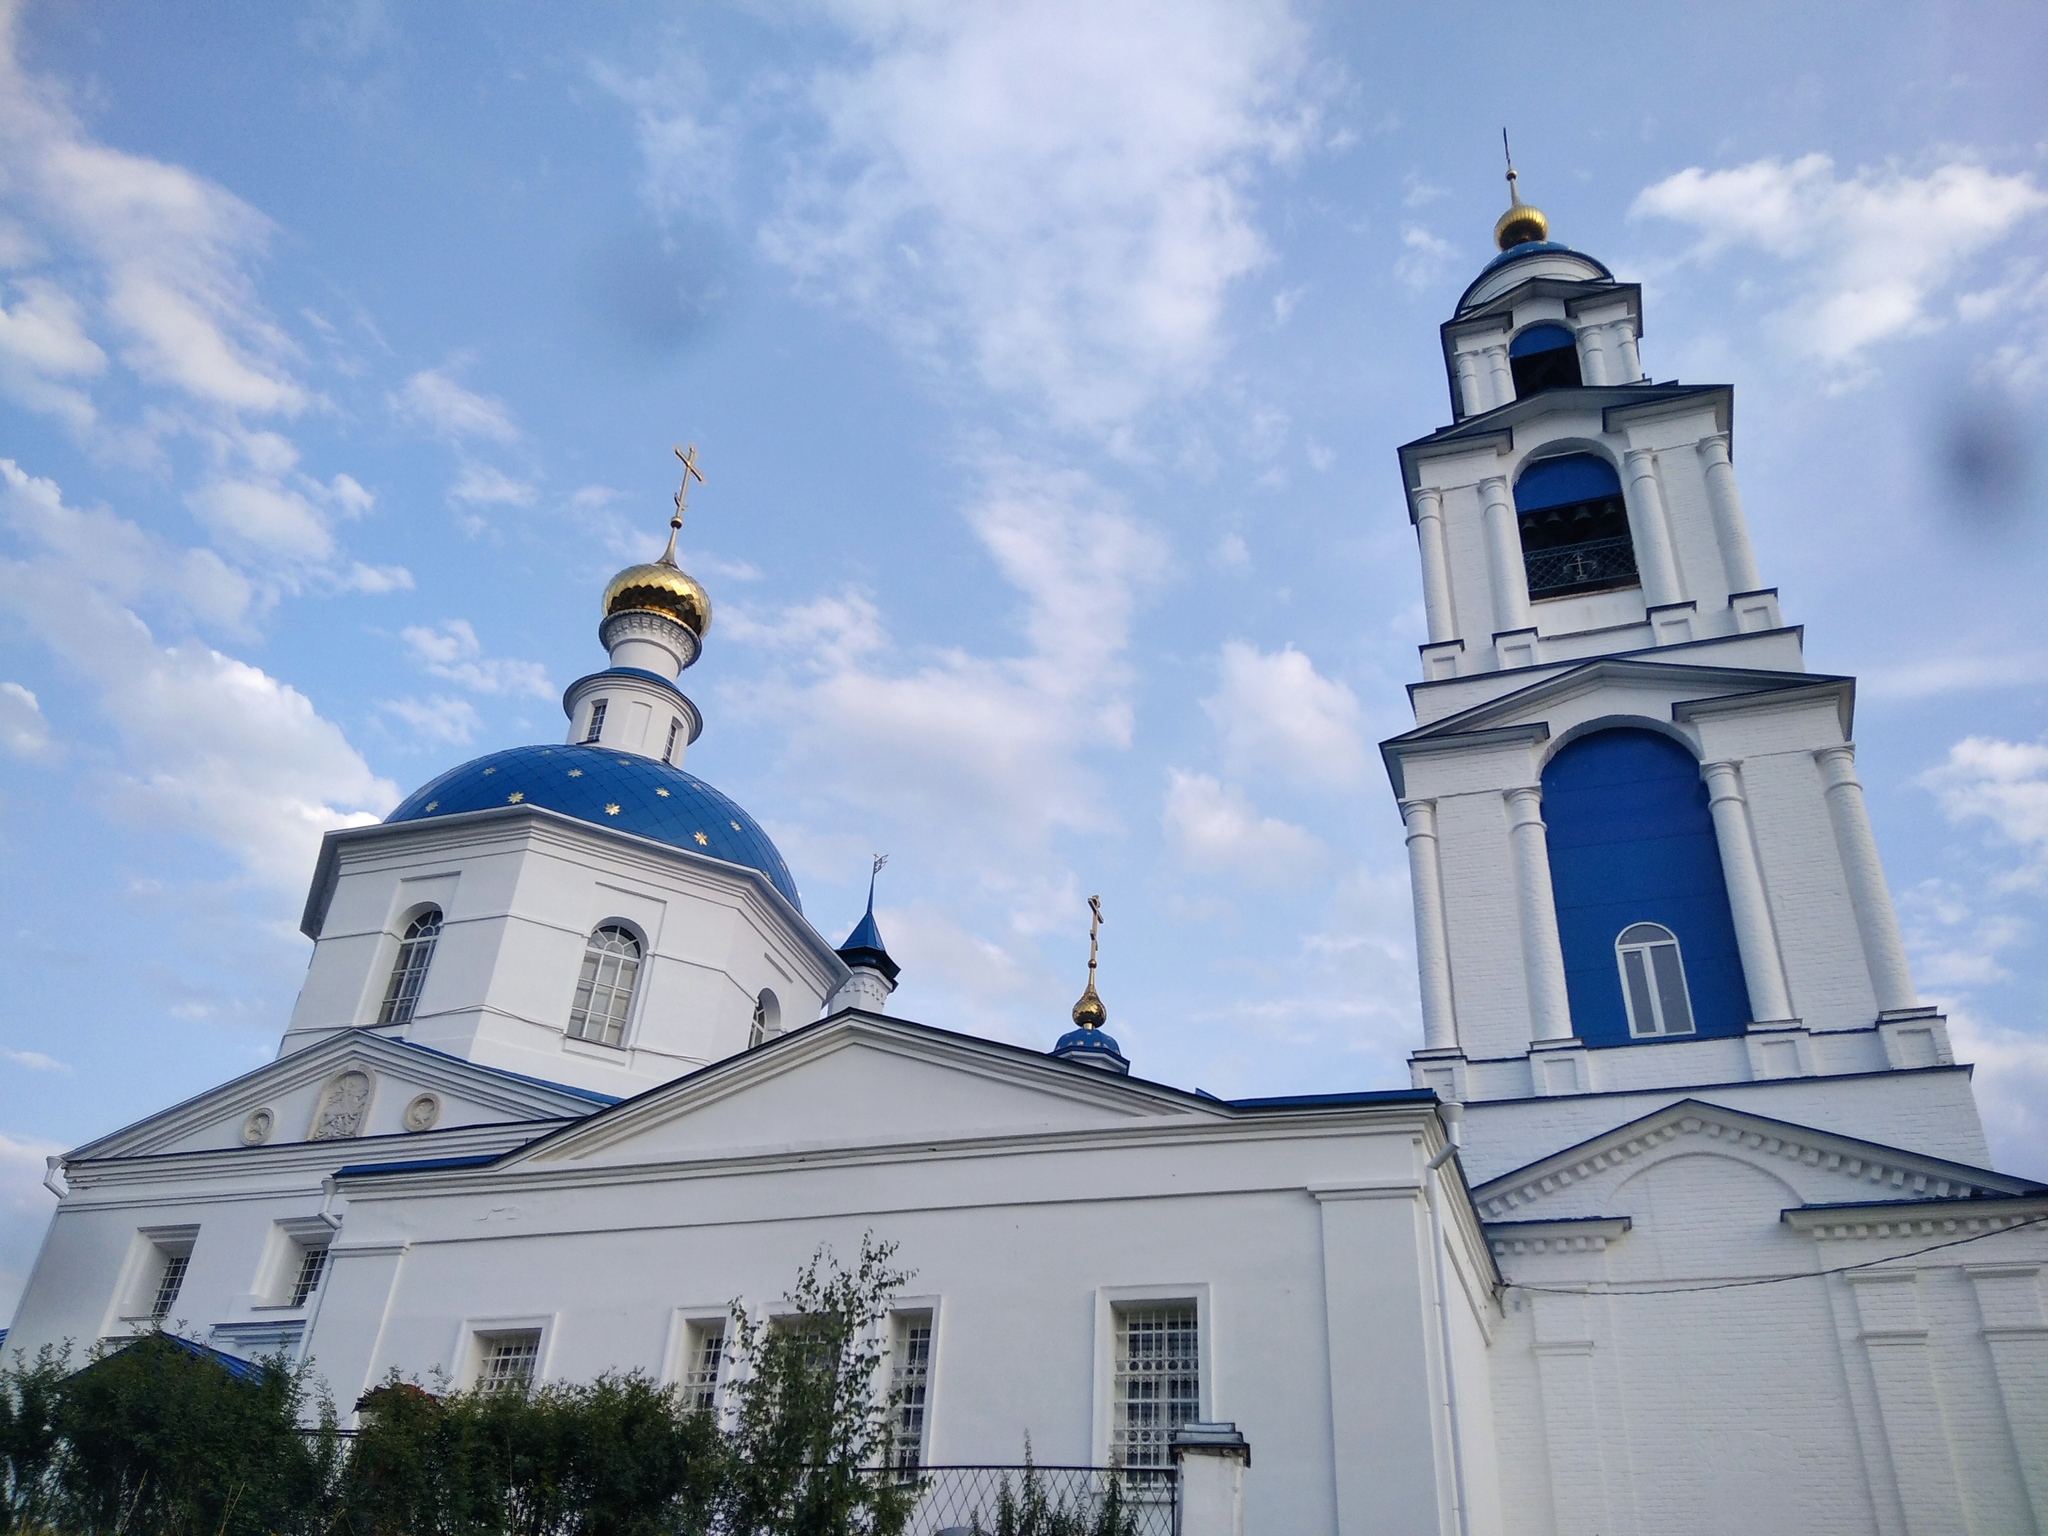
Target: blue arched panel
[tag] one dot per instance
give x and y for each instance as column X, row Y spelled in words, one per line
column 1631, row 841
column 1541, row 338
column 1559, row 482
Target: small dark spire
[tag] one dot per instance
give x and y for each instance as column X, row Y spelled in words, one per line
column 863, row 947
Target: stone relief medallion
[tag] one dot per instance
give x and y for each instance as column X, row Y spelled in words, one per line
column 343, row 1107
column 423, row 1113
column 257, row 1128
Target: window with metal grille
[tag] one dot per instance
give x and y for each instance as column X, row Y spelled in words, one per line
column 1653, row 981
column 707, row 1357
column 508, row 1361
column 604, row 992
column 909, row 1387
column 1158, row 1384
column 1574, row 526
column 675, row 729
column 409, row 971
column 596, row 720
column 312, row 1265
column 169, row 1283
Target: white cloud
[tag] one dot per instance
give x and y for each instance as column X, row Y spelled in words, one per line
column 266, row 521
column 42, row 341
column 209, row 745
column 479, row 485
column 452, row 650
column 963, row 753
column 23, row 730
column 1058, row 192
column 2004, row 783
column 1215, row 828
column 1872, row 250
column 433, row 400
column 1276, row 713
column 439, row 719
column 36, row 1061
column 1936, row 676
column 1424, row 257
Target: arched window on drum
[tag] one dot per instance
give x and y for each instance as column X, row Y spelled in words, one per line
column 1574, row 527
column 604, row 989
column 1544, row 357
column 409, row 970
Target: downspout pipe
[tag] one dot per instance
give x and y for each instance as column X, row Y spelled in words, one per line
column 1451, row 1115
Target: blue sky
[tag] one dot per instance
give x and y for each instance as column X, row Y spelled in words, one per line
column 1047, row 363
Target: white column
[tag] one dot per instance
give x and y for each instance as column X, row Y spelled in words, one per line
column 1650, row 531
column 1631, row 360
column 1503, row 377
column 1731, row 528
column 1432, row 939
column 1469, row 391
column 1876, row 922
column 1436, row 566
column 1504, row 555
column 1755, row 934
column 1550, row 1010
column 1593, row 354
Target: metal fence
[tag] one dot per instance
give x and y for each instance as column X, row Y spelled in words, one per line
column 1041, row 1501
column 1584, row 567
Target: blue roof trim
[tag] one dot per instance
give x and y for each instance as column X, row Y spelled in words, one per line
column 639, row 673
column 616, row 790
column 518, row 1077
column 234, row 1365
column 1338, row 1100
column 423, row 1165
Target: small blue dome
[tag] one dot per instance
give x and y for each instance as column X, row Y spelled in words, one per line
column 607, row 789
column 1528, row 248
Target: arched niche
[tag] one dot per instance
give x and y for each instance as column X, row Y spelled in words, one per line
column 1574, row 526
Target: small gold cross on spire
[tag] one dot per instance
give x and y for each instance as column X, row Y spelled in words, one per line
column 675, row 524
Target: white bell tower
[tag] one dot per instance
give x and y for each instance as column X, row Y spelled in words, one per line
column 1639, row 850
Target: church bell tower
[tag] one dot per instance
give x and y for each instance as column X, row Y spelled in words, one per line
column 1639, row 849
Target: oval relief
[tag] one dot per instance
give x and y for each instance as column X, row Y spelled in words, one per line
column 257, row 1128
column 423, row 1113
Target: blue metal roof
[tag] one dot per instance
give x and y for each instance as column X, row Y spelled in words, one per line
column 1528, row 248
column 607, row 789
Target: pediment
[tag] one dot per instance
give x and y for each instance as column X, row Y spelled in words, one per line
column 860, row 1080
column 355, row 1078
column 1821, row 1167
column 1661, row 685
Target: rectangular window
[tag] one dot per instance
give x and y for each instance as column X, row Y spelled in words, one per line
column 1158, row 1384
column 706, row 1360
column 596, row 720
column 508, row 1361
column 668, row 753
column 312, row 1265
column 168, row 1284
column 910, row 1387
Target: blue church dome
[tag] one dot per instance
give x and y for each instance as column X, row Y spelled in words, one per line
column 625, row 792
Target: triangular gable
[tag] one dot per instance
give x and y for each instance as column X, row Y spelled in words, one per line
column 859, row 1079
column 1674, row 680
column 290, row 1088
column 1824, row 1166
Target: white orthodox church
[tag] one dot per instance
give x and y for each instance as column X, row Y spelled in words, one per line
column 1683, row 1227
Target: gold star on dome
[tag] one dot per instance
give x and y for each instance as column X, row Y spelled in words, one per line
column 489, row 771
column 515, row 797
column 433, row 805
column 663, row 793
column 734, row 825
column 575, row 773
column 625, row 762
column 702, row 840
column 612, row 809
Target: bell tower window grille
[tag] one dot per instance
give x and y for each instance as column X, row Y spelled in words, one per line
column 1544, row 357
column 1574, row 527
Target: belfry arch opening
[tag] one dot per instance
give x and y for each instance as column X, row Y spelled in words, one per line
column 1544, row 357
column 1574, row 527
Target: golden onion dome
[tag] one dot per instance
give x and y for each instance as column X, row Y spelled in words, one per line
column 1089, row 1012
column 660, row 586
column 1521, row 224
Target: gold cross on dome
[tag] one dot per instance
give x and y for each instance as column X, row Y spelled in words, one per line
column 690, row 470
column 1095, row 921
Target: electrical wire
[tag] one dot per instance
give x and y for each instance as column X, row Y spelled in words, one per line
column 1736, row 1285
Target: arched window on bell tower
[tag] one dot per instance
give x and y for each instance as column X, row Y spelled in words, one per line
column 1544, row 357
column 1574, row 526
